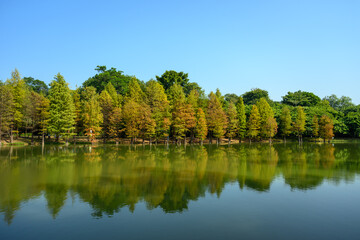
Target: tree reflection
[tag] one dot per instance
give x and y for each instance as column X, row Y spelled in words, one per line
column 109, row 178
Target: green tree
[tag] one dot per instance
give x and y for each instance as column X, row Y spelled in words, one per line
column 169, row 78
column 18, row 89
column 135, row 92
column 104, row 76
column 299, row 124
column 285, row 122
column 116, row 124
column 253, row 124
column 253, row 96
column 37, row 85
column 62, row 111
column 79, row 124
column 132, row 118
column 240, row 107
column 42, row 107
column 301, row 98
column 271, row 127
column 233, row 121
column 116, row 98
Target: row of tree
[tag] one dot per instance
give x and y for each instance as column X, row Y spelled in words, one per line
column 111, row 105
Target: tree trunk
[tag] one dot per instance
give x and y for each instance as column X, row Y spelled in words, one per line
column 250, row 140
column 11, row 136
column 202, row 142
column 43, row 140
column 32, row 138
column 284, row 139
column 217, row 141
column 185, row 140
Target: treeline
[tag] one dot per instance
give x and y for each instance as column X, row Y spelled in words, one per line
column 112, row 105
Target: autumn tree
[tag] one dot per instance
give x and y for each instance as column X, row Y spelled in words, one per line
column 271, row 127
column 240, row 107
column 253, row 124
column 42, row 107
column 201, row 126
column 326, row 128
column 285, row 122
column 79, row 125
column 299, row 124
column 179, row 111
column 216, row 118
column 233, row 121
column 131, row 116
column 62, row 111
column 92, row 114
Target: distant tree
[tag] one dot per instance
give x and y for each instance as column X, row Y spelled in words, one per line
column 326, row 128
column 300, row 98
column 233, row 121
column 253, row 124
column 62, row 111
column 299, row 124
column 253, row 96
column 339, row 104
column 104, row 76
column 240, row 107
column 201, row 126
column 43, row 115
column 285, row 122
column 315, row 126
column 37, row 85
column 169, row 78
column 231, row 97
column 216, row 117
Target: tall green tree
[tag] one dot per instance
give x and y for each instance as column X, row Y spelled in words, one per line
column 253, row 124
column 299, row 124
column 233, row 121
column 285, row 122
column 42, row 107
column 240, row 107
column 19, row 91
column 253, row 96
column 131, row 116
column 62, row 111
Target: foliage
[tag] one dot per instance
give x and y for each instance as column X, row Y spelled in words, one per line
column 37, row 85
column 285, row 122
column 233, row 121
column 301, row 98
column 253, row 96
column 216, row 117
column 240, row 107
column 253, row 124
column 326, row 127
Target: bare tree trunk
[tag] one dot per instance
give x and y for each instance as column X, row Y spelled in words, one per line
column 43, row 139
column 202, row 142
column 11, row 136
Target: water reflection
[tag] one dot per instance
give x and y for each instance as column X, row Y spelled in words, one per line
column 109, row 178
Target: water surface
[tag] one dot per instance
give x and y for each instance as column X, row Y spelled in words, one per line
column 193, row 192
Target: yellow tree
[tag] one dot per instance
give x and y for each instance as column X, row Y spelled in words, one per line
column 285, row 122
column 233, row 121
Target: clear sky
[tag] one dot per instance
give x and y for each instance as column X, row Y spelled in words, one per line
column 278, row 46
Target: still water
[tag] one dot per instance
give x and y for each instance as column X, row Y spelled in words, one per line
column 193, row 192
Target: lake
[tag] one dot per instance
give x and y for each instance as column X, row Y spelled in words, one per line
column 247, row 191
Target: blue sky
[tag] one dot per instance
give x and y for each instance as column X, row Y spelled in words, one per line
column 278, row 46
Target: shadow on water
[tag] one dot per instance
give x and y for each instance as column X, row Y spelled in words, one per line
column 110, row 178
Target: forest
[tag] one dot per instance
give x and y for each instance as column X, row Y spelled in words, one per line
column 114, row 107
